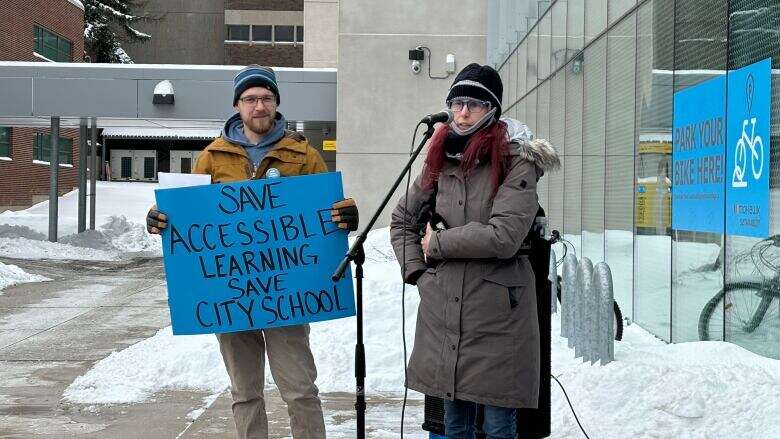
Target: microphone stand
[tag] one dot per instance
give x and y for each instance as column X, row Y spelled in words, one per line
column 357, row 255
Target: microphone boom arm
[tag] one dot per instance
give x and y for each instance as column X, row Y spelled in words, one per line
column 361, row 238
column 357, row 255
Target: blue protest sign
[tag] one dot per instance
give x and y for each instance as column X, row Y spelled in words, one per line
column 748, row 150
column 254, row 254
column 699, row 136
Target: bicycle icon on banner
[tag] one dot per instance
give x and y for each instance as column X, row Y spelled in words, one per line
column 754, row 142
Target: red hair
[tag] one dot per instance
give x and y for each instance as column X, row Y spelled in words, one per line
column 491, row 142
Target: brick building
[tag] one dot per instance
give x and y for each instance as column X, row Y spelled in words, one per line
column 42, row 31
column 268, row 32
column 231, row 32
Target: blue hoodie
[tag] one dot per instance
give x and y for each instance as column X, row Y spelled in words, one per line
column 233, row 132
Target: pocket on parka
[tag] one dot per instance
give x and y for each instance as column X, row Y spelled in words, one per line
column 507, row 286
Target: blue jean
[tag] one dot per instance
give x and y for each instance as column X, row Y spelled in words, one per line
column 460, row 417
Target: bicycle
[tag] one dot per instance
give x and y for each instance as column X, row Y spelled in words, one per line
column 618, row 321
column 747, row 303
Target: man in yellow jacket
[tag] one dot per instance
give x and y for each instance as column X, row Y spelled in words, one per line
column 255, row 144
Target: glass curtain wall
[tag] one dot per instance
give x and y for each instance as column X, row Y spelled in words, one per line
column 597, row 78
column 652, row 167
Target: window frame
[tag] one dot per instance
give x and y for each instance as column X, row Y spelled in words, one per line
column 7, row 143
column 292, row 36
column 42, row 149
column 232, row 40
column 53, row 52
column 270, row 40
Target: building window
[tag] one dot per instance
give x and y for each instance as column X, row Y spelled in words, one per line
column 186, row 165
column 149, row 167
column 51, row 45
column 262, row 33
column 238, row 32
column 298, row 34
column 127, row 167
column 284, row 34
column 5, row 142
column 42, row 149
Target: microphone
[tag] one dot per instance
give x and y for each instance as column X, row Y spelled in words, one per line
column 443, row 116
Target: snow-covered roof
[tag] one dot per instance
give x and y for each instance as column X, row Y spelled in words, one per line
column 161, row 133
column 78, row 4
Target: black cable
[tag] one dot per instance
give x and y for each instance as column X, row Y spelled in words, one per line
column 565, row 251
column 570, row 406
column 403, row 282
column 429, row 68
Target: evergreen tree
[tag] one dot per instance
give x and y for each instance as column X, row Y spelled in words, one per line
column 107, row 23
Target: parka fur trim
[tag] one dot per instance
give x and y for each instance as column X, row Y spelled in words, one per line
column 539, row 152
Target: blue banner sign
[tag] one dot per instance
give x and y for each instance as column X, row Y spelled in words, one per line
column 698, row 160
column 748, row 150
column 254, row 254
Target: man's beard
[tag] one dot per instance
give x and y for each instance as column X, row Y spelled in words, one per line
column 260, row 126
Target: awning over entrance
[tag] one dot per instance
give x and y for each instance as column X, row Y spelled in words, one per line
column 160, row 133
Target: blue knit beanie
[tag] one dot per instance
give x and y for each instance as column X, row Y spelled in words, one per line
column 254, row 76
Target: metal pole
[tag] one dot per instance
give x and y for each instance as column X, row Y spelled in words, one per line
column 54, row 167
column 103, row 175
column 93, row 175
column 83, row 133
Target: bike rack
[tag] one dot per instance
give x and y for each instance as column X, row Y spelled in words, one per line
column 587, row 300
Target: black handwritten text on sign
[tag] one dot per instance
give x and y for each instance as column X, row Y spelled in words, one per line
column 254, row 254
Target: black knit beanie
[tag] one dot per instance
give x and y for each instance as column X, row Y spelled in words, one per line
column 478, row 82
column 255, row 76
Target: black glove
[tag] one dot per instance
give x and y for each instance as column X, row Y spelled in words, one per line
column 156, row 221
column 345, row 214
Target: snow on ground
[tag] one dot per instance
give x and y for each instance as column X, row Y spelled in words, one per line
column 659, row 390
column 120, row 216
column 13, row 275
column 652, row 390
column 165, row 362
column 157, row 363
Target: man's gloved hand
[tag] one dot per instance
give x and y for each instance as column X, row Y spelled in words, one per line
column 156, row 221
column 345, row 214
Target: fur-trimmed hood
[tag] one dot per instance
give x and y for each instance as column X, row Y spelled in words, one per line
column 537, row 151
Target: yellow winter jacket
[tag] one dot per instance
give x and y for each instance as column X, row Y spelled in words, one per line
column 228, row 162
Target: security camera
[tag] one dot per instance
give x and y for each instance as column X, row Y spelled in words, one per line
column 416, row 55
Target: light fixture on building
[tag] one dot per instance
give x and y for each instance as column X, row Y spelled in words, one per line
column 450, row 61
column 163, row 93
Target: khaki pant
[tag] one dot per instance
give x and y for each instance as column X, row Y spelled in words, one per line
column 293, row 370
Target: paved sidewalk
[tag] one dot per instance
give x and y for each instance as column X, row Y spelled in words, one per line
column 52, row 332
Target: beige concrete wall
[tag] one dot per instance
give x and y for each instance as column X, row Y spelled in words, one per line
column 379, row 99
column 321, row 33
column 264, row 17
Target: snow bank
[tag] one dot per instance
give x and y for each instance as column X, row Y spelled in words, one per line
column 654, row 389
column 147, row 367
column 120, row 215
column 13, row 275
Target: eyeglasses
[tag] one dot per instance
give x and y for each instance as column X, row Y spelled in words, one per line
column 471, row 104
column 267, row 101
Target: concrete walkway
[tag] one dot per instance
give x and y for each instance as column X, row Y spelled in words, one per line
column 53, row 332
